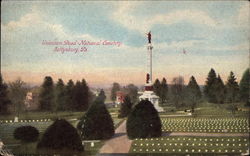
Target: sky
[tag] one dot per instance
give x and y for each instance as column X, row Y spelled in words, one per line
column 214, row 34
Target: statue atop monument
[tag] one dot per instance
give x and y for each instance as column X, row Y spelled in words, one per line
column 149, row 36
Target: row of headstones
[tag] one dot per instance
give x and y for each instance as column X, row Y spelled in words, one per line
column 225, row 131
column 207, row 122
column 201, row 121
column 194, row 139
column 208, row 127
column 91, row 142
column 12, row 121
column 188, row 150
column 204, row 121
column 189, row 144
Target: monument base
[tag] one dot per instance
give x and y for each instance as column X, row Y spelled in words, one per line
column 154, row 99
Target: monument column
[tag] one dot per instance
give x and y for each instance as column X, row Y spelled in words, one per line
column 148, row 93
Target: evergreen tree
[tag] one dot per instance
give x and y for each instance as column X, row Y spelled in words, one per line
column 78, row 96
column 177, row 90
column 125, row 108
column 46, row 97
column 245, row 86
column 86, row 95
column 163, row 90
column 4, row 99
column 60, row 95
column 116, row 87
column 69, row 95
column 143, row 121
column 220, row 90
column 101, row 96
column 232, row 89
column 193, row 93
column 157, row 87
column 96, row 124
column 209, row 89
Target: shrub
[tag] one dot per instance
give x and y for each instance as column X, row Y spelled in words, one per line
column 144, row 121
column 61, row 135
column 26, row 133
column 97, row 123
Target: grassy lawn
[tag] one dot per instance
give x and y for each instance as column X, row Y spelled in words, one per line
column 191, row 145
column 17, row 147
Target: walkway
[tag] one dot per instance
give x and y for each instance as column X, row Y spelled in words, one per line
column 119, row 143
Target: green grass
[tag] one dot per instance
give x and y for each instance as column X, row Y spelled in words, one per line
column 17, row 147
column 192, row 145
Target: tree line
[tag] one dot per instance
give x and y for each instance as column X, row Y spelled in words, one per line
column 214, row 91
column 60, row 97
column 51, row 97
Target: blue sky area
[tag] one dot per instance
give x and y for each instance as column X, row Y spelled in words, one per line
column 214, row 35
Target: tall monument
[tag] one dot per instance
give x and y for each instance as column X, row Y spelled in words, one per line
column 148, row 93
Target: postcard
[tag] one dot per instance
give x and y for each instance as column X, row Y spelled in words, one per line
column 106, row 78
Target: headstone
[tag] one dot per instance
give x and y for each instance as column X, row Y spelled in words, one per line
column 16, row 119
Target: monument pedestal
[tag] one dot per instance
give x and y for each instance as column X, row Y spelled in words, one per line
column 151, row 96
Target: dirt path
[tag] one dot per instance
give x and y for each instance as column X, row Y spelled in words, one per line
column 119, row 143
column 207, row 134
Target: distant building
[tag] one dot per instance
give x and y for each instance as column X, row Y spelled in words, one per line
column 31, row 101
column 28, row 100
column 120, row 97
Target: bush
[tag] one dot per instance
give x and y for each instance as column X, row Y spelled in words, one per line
column 26, row 133
column 97, row 123
column 61, row 135
column 144, row 121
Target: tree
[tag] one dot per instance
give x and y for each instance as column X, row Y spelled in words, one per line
column 60, row 95
column 86, row 95
column 125, row 108
column 78, row 96
column 4, row 99
column 157, row 87
column 96, row 124
column 60, row 135
column 209, row 88
column 132, row 91
column 116, row 87
column 26, row 133
column 17, row 95
column 164, row 90
column 245, row 86
column 101, row 96
column 177, row 90
column 232, row 88
column 193, row 93
column 143, row 121
column 220, row 90
column 47, row 94
column 69, row 95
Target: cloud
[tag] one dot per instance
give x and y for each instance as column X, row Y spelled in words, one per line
column 243, row 15
column 124, row 16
